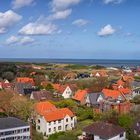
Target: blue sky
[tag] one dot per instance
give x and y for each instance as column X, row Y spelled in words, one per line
column 85, row 29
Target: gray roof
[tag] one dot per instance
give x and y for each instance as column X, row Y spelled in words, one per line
column 135, row 84
column 21, row 86
column 11, row 122
column 94, row 96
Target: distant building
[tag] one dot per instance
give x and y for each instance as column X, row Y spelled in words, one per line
column 103, row 131
column 93, row 99
column 80, row 96
column 14, row 129
column 135, row 92
column 50, row 120
column 136, row 127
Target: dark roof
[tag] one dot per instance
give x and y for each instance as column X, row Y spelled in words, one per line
column 94, row 96
column 104, row 130
column 41, row 95
column 11, row 122
column 136, row 127
column 137, row 89
column 44, row 95
column 21, row 86
column 135, row 84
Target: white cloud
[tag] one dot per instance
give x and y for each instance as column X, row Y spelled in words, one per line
column 38, row 29
column 60, row 14
column 113, row 1
column 14, row 40
column 58, row 5
column 106, row 31
column 80, row 22
column 21, row 3
column 8, row 19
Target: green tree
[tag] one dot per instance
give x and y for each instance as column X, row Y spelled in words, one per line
column 136, row 99
column 49, row 87
column 125, row 120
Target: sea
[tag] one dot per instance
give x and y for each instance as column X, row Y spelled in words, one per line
column 102, row 62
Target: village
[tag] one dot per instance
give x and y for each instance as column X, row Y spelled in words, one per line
column 69, row 102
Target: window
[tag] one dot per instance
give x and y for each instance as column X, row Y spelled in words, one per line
column 59, row 121
column 67, row 120
column 54, row 128
column 71, row 118
column 59, row 127
column 121, row 135
column 38, row 121
column 49, row 123
column 38, row 127
column 54, row 122
column 49, row 129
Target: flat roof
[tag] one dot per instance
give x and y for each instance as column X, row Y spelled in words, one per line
column 11, row 122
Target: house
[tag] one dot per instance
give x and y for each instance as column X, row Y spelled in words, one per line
column 100, row 73
column 5, row 84
column 135, row 92
column 64, row 91
column 80, row 96
column 119, row 107
column 20, row 87
column 25, row 80
column 43, row 95
column 112, row 94
column 103, row 131
column 135, row 84
column 50, row 119
column 93, row 99
column 14, row 129
column 136, row 127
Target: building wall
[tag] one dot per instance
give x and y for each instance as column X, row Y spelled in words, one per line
column 17, row 133
column 114, row 138
column 48, row 128
column 67, row 93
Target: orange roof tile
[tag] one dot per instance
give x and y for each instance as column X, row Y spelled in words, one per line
column 25, row 80
column 58, row 114
column 120, row 82
column 56, row 86
column 43, row 107
column 124, row 90
column 79, row 95
column 111, row 93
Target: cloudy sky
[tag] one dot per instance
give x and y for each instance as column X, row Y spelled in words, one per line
column 85, row 29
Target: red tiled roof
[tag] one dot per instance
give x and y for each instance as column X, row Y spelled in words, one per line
column 79, row 95
column 111, row 93
column 24, row 80
column 124, row 90
column 43, row 107
column 50, row 112
column 58, row 114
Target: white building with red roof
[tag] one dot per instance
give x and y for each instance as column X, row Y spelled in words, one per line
column 50, row 119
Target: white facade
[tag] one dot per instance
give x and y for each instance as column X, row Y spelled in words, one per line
column 67, row 93
column 48, row 128
column 15, row 133
column 135, row 93
column 95, row 137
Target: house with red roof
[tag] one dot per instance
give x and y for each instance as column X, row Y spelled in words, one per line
column 80, row 96
column 25, row 80
column 50, row 119
column 65, row 91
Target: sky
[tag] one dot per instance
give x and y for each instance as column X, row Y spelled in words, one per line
column 70, row 29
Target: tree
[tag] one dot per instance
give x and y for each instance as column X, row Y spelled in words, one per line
column 49, row 87
column 8, row 75
column 136, row 99
column 125, row 120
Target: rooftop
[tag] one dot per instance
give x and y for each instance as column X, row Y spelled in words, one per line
column 11, row 122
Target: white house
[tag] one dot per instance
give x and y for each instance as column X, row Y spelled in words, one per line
column 12, row 129
column 135, row 92
column 50, row 120
column 64, row 91
column 103, row 131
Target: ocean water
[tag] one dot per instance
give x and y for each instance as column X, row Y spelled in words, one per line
column 103, row 62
